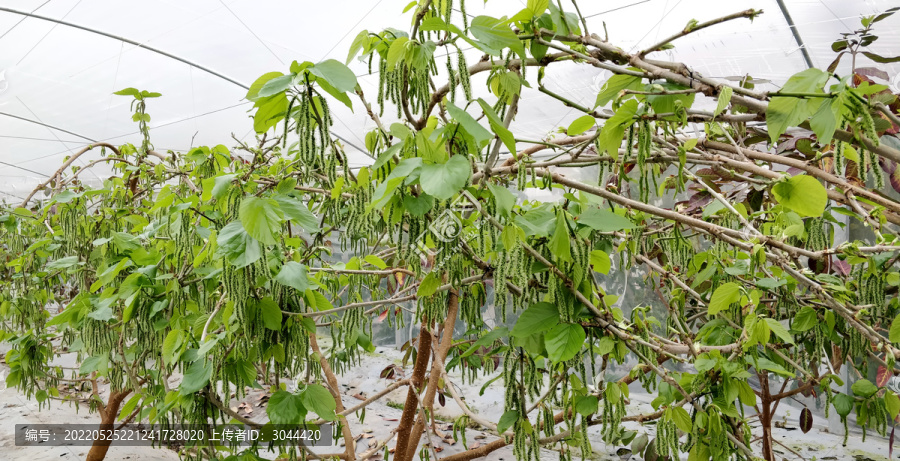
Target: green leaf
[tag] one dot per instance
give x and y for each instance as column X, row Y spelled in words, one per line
column 433, row 23
column 681, row 418
column 784, row 112
column 261, row 218
column 269, row 112
column 429, row 285
column 286, row 408
column 318, row 300
column 92, row 364
column 129, row 406
column 396, row 52
column 444, row 180
column 851, row 153
column 170, row 345
column 537, row 7
column 62, row 263
column 776, row 327
column 505, row 199
column 511, row 235
column 507, row 420
column 843, row 403
column 564, row 341
column 668, row 103
column 613, row 130
column 587, row 405
column 537, row 222
column 496, row 34
column 827, row 118
column 580, row 125
column 337, row 74
column 486, row 340
column 805, row 320
column 864, row 388
column 538, row 318
column 601, row 262
column 745, row 393
column 615, row 85
column 604, row 220
column 253, row 92
column 221, row 185
column 66, row 196
column 342, row 97
column 236, row 245
column 386, row 156
column 560, row 243
column 294, row 275
column 103, row 314
column 319, row 400
column 723, row 297
column 133, row 92
column 469, row 124
column 375, row 261
column 770, row 283
column 766, row 364
column 418, row 206
column 358, row 44
column 196, row 377
column 296, row 211
column 894, row 334
column 271, row 313
column 506, row 136
column 802, row 194
column 724, row 99
column 276, row 85
column 892, row 402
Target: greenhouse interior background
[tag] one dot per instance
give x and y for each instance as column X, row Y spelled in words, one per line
column 57, row 80
column 62, row 60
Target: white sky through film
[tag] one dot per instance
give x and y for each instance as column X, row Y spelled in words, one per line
column 64, row 77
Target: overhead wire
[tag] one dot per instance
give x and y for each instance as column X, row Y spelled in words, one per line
column 149, row 48
column 134, row 132
column 46, row 34
column 22, row 20
column 52, row 132
column 615, row 9
column 351, row 29
column 251, row 32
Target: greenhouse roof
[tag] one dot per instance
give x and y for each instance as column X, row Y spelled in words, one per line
column 57, row 79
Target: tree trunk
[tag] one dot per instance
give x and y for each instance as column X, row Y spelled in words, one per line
column 412, row 395
column 440, row 355
column 765, row 418
column 349, row 443
column 108, row 415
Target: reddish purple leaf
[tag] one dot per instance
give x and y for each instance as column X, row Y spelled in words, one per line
column 806, row 420
column 841, row 266
column 890, row 167
column 873, row 72
column 883, row 376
